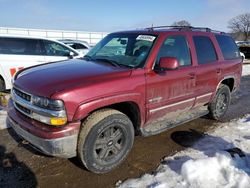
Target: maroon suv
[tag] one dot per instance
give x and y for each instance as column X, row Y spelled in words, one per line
column 141, row 81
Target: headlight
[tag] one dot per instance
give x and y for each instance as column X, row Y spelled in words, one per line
column 51, row 105
column 46, row 103
column 56, row 121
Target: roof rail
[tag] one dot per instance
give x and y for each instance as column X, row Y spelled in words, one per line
column 169, row 27
column 185, row 28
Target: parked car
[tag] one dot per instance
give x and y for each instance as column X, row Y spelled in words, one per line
column 244, row 47
column 132, row 82
column 18, row 52
column 243, row 56
column 81, row 46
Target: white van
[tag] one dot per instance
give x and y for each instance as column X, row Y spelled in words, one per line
column 18, row 52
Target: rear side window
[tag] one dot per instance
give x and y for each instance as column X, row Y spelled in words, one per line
column 19, row 46
column 204, row 49
column 228, row 47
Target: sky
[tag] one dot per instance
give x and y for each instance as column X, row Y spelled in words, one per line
column 115, row 15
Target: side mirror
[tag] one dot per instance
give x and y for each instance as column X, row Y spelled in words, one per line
column 71, row 55
column 168, row 63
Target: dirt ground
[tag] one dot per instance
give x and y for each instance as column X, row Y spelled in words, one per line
column 21, row 166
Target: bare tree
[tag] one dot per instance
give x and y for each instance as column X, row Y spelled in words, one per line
column 240, row 24
column 181, row 23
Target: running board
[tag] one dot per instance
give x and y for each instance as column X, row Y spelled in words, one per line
column 163, row 124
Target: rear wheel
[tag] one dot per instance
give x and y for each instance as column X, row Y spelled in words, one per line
column 219, row 105
column 105, row 140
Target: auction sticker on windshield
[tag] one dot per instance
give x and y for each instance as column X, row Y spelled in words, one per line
column 146, row 37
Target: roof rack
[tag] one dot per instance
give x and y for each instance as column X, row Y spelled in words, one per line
column 186, row 28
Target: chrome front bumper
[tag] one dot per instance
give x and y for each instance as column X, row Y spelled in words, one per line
column 64, row 147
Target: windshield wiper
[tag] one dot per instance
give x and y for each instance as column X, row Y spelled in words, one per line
column 112, row 62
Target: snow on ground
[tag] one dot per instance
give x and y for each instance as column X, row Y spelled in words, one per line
column 219, row 159
column 246, row 69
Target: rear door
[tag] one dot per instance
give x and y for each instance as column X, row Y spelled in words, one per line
column 208, row 68
column 172, row 91
column 18, row 53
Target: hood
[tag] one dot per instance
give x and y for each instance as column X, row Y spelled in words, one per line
column 46, row 80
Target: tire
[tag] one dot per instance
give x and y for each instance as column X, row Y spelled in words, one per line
column 105, row 139
column 2, row 85
column 219, row 105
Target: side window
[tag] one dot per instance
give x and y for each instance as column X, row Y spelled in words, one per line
column 55, row 49
column 80, row 46
column 19, row 46
column 33, row 47
column 228, row 47
column 204, row 49
column 176, row 46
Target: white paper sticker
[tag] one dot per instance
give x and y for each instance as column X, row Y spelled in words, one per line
column 146, row 38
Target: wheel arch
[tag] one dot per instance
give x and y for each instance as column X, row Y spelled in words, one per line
column 129, row 108
column 228, row 81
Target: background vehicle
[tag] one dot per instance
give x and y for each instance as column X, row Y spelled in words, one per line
column 81, row 46
column 18, row 52
column 243, row 56
column 141, row 81
column 244, row 47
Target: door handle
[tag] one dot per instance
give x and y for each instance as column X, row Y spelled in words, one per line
column 218, row 71
column 192, row 75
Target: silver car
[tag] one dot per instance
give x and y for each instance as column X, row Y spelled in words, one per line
column 81, row 46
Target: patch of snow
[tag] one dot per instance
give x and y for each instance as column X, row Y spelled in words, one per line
column 211, row 162
column 245, row 69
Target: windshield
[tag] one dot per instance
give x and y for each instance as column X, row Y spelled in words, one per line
column 124, row 49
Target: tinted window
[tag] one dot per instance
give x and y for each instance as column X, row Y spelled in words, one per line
column 204, row 49
column 55, row 49
column 176, row 46
column 80, row 46
column 228, row 47
column 19, row 46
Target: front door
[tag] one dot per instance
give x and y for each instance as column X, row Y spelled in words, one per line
column 56, row 52
column 172, row 91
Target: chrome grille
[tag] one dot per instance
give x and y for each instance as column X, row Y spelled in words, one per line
column 23, row 95
column 23, row 109
column 23, row 103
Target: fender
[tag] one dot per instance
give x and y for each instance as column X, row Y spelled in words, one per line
column 85, row 109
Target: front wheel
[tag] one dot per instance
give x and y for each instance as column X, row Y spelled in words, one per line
column 105, row 140
column 219, row 105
